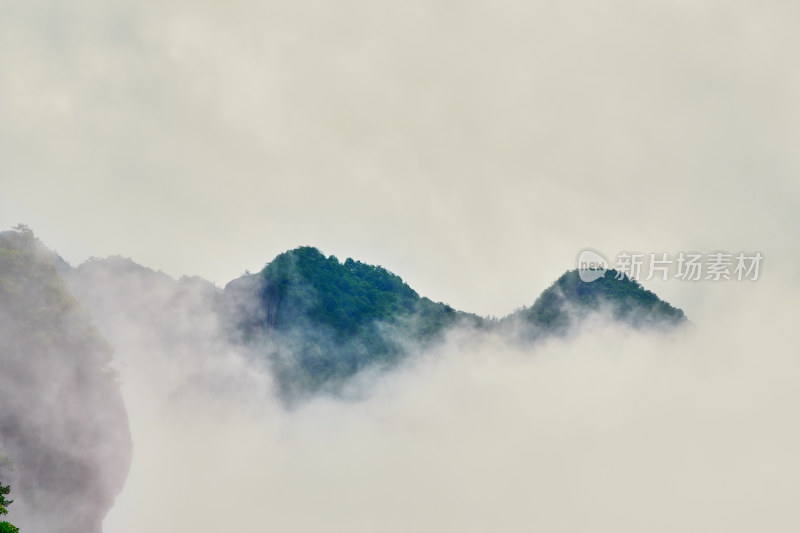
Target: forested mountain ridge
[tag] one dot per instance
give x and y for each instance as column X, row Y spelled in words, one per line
column 317, row 321
column 333, row 318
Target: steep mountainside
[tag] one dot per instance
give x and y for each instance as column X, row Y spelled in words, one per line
column 325, row 320
column 63, row 425
column 569, row 301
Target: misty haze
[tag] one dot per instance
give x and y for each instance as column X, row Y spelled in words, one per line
column 399, row 267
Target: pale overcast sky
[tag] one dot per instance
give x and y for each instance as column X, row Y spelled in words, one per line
column 474, row 148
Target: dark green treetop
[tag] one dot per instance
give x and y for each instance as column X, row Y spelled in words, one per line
column 5, row 527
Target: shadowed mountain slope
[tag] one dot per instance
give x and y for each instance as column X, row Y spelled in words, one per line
column 63, row 425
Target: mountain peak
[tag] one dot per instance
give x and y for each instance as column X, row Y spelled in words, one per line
column 338, row 318
column 570, row 299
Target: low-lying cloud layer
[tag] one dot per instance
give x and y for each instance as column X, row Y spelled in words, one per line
column 608, row 430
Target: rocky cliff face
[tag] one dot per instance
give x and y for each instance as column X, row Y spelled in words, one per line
column 64, row 430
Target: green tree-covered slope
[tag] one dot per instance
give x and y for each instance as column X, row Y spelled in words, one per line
column 321, row 321
column 570, row 300
column 331, row 319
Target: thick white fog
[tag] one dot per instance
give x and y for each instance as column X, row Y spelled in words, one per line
column 608, row 430
column 473, row 148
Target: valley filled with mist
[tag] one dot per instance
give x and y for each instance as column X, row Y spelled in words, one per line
column 325, row 394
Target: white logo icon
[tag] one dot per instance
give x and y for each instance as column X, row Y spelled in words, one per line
column 591, row 265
